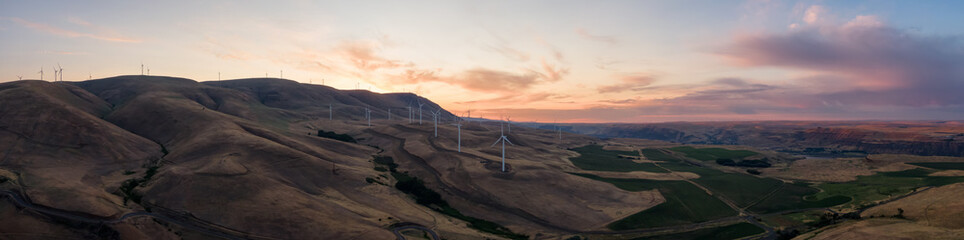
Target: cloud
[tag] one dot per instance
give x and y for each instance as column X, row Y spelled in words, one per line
column 813, row 14
column 873, row 63
column 582, row 32
column 73, row 34
column 363, row 56
column 628, row 83
column 552, row 73
column 487, row 80
column 509, row 52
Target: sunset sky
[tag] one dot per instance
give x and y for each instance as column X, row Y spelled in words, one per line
column 566, row 61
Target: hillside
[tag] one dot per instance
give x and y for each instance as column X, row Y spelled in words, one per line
column 234, row 156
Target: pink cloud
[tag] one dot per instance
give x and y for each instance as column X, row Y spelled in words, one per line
column 872, row 63
column 72, row 34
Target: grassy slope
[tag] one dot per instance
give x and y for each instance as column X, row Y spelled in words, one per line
column 941, row 165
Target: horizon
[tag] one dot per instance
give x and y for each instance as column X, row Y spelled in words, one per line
column 573, row 62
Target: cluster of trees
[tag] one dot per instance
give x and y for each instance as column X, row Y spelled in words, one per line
column 336, row 136
column 763, row 163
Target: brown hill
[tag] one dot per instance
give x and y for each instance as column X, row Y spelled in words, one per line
column 233, row 157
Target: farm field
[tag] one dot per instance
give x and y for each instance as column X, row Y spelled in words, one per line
column 734, row 231
column 867, row 189
column 791, row 196
column 684, row 204
column 711, row 154
column 595, row 158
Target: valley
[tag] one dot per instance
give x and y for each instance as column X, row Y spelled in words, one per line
column 172, row 158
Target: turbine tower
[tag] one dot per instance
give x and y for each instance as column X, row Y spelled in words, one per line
column 508, row 123
column 410, row 113
column 420, row 112
column 329, row 111
column 368, row 114
column 435, row 118
column 19, row 77
column 41, row 72
column 504, row 140
column 60, row 73
column 458, row 124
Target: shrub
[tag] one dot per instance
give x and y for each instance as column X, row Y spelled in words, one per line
column 753, row 171
column 336, row 136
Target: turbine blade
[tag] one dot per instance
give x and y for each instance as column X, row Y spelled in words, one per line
column 507, row 140
column 496, row 142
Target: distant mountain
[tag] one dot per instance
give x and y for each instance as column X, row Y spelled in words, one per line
column 944, row 138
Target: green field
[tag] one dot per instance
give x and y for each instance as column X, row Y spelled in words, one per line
column 742, row 189
column 711, row 154
column 941, row 165
column 684, row 204
column 734, row 231
column 657, row 155
column 791, row 196
column 595, row 158
column 867, row 189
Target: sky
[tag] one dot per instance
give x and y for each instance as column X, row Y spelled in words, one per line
column 545, row 61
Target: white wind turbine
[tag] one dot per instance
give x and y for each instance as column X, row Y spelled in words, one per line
column 368, row 114
column 504, row 140
column 41, row 72
column 410, row 114
column 508, row 123
column 420, row 112
column 329, row 111
column 58, row 73
column 458, row 124
column 19, row 77
column 436, row 115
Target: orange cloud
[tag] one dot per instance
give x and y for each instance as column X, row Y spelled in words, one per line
column 628, row 83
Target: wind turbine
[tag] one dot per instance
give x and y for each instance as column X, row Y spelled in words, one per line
column 59, row 71
column 368, row 114
column 329, row 111
column 420, row 112
column 504, row 140
column 508, row 123
column 142, row 68
column 458, row 124
column 435, row 115
column 41, row 72
column 19, row 77
column 410, row 113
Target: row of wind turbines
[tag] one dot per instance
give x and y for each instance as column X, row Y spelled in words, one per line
column 59, row 73
column 504, row 124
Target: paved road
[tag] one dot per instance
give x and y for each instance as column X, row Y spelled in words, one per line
column 403, row 226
